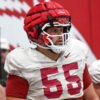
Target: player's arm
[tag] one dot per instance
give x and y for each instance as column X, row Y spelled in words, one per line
column 16, row 88
column 89, row 92
column 97, row 88
column 13, row 98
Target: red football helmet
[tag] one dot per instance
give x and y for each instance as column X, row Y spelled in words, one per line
column 42, row 16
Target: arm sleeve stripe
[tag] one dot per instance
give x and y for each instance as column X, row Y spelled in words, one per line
column 86, row 78
column 17, row 87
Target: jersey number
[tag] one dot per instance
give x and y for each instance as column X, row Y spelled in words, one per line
column 45, row 72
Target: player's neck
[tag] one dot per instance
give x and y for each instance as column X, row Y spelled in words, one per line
column 48, row 53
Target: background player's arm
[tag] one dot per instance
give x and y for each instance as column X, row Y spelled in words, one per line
column 90, row 94
column 12, row 98
column 97, row 88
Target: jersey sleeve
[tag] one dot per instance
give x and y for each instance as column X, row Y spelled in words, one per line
column 16, row 63
column 94, row 71
column 86, row 78
column 11, row 65
column 16, row 87
column 17, row 83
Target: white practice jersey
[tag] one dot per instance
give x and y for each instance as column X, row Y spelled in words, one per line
column 48, row 79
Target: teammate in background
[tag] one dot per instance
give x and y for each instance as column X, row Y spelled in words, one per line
column 94, row 70
column 53, row 70
column 4, row 50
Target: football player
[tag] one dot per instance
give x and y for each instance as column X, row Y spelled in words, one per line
column 55, row 68
column 94, row 70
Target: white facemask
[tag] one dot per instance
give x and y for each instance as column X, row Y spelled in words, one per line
column 58, row 49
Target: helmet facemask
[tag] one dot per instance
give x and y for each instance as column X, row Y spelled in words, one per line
column 61, row 38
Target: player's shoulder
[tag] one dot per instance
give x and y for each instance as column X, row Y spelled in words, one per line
column 78, row 46
column 94, row 70
column 95, row 67
column 17, row 52
column 20, row 58
column 21, row 55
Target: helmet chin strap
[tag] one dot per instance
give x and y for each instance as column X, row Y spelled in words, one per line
column 59, row 49
column 56, row 49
